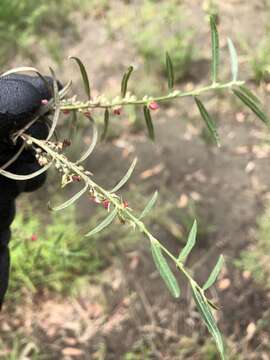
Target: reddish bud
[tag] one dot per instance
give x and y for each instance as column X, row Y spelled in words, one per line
column 125, row 204
column 76, row 178
column 34, row 237
column 117, row 110
column 95, row 199
column 106, row 204
column 87, row 114
column 44, row 101
column 65, row 112
column 66, row 143
column 153, row 105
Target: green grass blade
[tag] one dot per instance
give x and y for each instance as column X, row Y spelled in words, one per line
column 149, row 123
column 214, row 274
column 208, row 121
column 191, row 241
column 252, row 105
column 85, row 78
column 106, row 222
column 126, row 177
column 106, row 124
column 215, row 49
column 164, row 269
column 208, row 319
column 149, row 205
column 125, row 79
column 70, row 201
column 234, row 59
column 170, row 71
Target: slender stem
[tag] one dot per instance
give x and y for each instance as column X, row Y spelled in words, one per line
column 114, row 200
column 129, row 101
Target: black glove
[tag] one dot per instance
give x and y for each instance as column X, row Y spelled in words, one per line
column 20, row 100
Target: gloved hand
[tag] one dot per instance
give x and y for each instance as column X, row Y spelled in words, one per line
column 20, row 100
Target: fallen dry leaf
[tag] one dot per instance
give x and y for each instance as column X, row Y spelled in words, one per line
column 71, row 351
column 152, row 172
column 224, row 284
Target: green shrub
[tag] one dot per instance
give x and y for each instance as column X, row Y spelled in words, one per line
column 53, row 256
column 26, row 22
column 256, row 258
column 160, row 31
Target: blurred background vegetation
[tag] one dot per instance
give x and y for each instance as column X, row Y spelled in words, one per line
column 107, row 286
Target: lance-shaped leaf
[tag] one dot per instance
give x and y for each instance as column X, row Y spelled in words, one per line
column 191, row 241
column 214, row 274
column 70, row 201
column 215, row 49
column 164, row 269
column 106, row 222
column 106, row 124
column 149, row 205
column 250, row 94
column 56, row 105
column 85, row 78
column 170, row 71
column 208, row 121
column 25, row 177
column 208, row 318
column 92, row 145
column 149, row 123
column 21, row 69
column 234, row 59
column 124, row 82
column 250, row 102
column 126, row 177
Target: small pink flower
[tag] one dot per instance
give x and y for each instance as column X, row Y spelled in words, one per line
column 153, row 105
column 34, row 237
column 95, row 199
column 117, row 110
column 76, row 178
column 125, row 204
column 44, row 101
column 106, row 204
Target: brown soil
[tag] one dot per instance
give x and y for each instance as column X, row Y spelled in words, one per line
column 229, row 187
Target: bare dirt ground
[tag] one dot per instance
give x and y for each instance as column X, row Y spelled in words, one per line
column 129, row 306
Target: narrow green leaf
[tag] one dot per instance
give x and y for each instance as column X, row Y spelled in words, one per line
column 84, row 76
column 234, row 59
column 214, row 274
column 208, row 318
column 125, row 79
column 149, row 123
column 250, row 94
column 215, row 49
column 70, row 201
column 252, row 105
column 170, row 71
column 106, row 222
column 57, row 110
column 34, row 174
column 164, row 269
column 126, row 177
column 92, row 146
column 149, row 205
column 191, row 241
column 208, row 121
column 106, row 124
